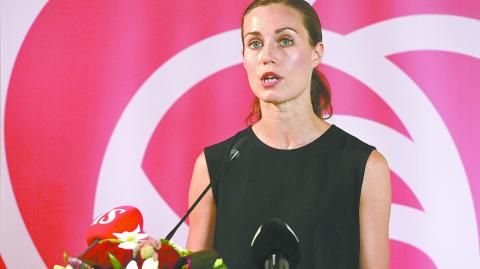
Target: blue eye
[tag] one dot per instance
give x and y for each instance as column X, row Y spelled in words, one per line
column 255, row 44
column 286, row 42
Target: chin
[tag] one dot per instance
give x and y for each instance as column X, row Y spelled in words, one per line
column 272, row 99
column 275, row 96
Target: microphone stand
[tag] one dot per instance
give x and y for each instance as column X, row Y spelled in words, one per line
column 234, row 153
column 275, row 261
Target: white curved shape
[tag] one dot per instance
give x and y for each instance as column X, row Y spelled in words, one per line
column 437, row 156
column 412, row 226
column 150, row 103
column 15, row 240
column 457, row 34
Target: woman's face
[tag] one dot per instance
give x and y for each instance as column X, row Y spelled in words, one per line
column 277, row 55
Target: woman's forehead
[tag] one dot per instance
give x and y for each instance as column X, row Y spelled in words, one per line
column 272, row 17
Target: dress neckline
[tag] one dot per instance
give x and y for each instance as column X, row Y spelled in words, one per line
column 319, row 139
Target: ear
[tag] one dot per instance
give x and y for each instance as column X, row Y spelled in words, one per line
column 243, row 57
column 317, row 54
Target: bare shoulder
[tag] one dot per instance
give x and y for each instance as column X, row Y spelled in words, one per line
column 376, row 163
column 200, row 177
column 375, row 203
column 201, row 163
column 377, row 173
column 376, row 185
column 202, row 218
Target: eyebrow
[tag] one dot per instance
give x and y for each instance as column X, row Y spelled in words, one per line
column 279, row 30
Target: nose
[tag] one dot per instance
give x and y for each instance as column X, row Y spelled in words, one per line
column 268, row 55
column 267, row 60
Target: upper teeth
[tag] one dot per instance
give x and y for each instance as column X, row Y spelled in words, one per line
column 269, row 78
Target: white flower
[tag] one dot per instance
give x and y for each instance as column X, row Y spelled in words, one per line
column 132, row 265
column 150, row 263
column 129, row 240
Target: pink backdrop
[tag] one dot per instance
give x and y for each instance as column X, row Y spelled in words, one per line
column 107, row 103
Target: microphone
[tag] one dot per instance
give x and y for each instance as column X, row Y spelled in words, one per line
column 234, row 153
column 116, row 220
column 275, row 245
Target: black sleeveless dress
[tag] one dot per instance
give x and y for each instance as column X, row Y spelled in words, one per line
column 315, row 189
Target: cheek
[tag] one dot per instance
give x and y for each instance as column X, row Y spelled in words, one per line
column 250, row 66
column 299, row 64
column 249, row 61
column 299, row 60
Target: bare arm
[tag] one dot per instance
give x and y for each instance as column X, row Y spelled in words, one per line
column 202, row 218
column 375, row 202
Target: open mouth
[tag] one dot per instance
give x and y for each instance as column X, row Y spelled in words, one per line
column 270, row 79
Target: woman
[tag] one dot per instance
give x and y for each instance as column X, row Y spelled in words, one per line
column 331, row 188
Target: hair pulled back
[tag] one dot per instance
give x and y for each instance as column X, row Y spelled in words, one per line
column 320, row 93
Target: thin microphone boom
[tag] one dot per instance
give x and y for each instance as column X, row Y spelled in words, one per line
column 234, row 153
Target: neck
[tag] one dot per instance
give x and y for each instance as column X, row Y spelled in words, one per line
column 289, row 126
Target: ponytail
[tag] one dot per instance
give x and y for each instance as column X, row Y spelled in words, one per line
column 321, row 95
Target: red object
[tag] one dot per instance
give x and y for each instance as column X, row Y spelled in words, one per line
column 167, row 256
column 98, row 255
column 2, row 264
column 117, row 220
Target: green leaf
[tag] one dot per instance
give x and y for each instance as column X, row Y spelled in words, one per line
column 110, row 240
column 181, row 251
column 116, row 264
column 219, row 264
column 65, row 257
column 85, row 266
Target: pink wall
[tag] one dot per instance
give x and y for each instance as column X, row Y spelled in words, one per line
column 82, row 64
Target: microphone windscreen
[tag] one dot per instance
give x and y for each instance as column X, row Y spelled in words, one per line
column 236, row 147
column 275, row 237
column 116, row 220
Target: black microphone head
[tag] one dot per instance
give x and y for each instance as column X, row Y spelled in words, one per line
column 275, row 237
column 234, row 153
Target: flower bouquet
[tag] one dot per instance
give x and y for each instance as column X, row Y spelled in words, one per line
column 113, row 244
